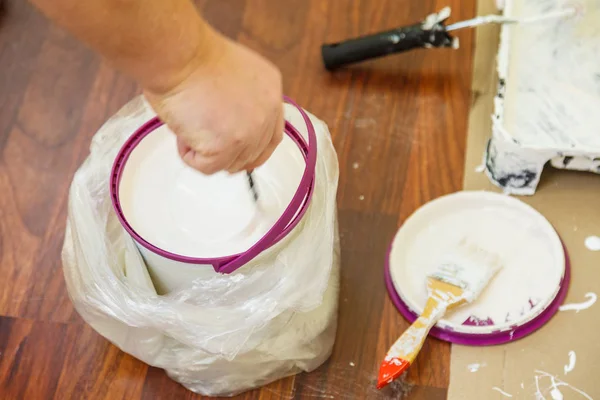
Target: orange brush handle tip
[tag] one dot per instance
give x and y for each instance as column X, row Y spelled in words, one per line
column 391, row 369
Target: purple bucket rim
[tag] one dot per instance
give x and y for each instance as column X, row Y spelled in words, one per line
column 290, row 217
column 483, row 339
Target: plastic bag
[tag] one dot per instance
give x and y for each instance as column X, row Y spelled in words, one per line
column 274, row 317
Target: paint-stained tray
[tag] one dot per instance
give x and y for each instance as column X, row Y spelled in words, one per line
column 546, row 107
column 522, row 297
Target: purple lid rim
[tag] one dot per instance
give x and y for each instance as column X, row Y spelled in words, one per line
column 290, row 217
column 483, row 339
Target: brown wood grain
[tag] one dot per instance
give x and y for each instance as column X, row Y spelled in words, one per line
column 398, row 124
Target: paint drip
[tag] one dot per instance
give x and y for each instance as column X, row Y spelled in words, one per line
column 554, row 388
column 475, row 367
column 580, row 306
column 502, row 392
column 572, row 359
column 592, row 243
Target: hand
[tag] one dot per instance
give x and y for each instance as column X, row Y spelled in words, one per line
column 227, row 112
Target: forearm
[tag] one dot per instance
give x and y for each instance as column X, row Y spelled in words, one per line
column 154, row 41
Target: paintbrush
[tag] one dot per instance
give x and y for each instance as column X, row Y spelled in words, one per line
column 251, row 185
column 432, row 32
column 457, row 280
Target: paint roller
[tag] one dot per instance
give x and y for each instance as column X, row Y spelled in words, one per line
column 432, row 32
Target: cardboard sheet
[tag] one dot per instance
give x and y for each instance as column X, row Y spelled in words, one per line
column 571, row 202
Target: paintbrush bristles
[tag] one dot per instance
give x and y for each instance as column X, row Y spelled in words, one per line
column 469, row 267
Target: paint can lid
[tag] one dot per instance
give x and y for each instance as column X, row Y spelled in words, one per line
column 523, row 295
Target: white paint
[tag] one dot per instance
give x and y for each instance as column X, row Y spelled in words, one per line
column 538, row 110
column 502, row 392
column 591, row 299
column 592, row 243
column 532, row 256
column 180, row 210
column 352, row 364
column 553, row 387
column 522, row 385
column 414, row 337
column 535, row 119
column 432, row 19
column 480, row 168
column 364, row 122
column 355, row 165
column 361, row 197
column 475, row 366
column 469, row 267
column 572, row 359
column 556, row 394
column 410, row 341
column 395, row 38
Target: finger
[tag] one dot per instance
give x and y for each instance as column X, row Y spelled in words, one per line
column 208, row 165
column 250, row 153
column 242, row 159
column 182, row 147
column 268, row 151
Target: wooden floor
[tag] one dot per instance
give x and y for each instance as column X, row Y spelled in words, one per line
column 399, row 126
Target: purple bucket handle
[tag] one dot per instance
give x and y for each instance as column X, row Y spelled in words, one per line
column 288, row 220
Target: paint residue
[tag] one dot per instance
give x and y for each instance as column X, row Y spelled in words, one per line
column 553, row 388
column 352, row 364
column 364, row 122
column 592, row 243
column 361, row 197
column 400, row 388
column 498, row 228
column 591, row 299
column 355, row 165
column 480, row 168
column 475, row 366
column 502, row 392
column 572, row 359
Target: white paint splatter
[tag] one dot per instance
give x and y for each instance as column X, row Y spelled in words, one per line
column 475, row 366
column 352, row 364
column 522, row 385
column 555, row 383
column 361, row 197
column 580, row 306
column 355, row 165
column 592, row 243
column 556, row 394
column 480, row 168
column 395, row 38
column 502, row 392
column 572, row 359
column 364, row 122
column 538, row 392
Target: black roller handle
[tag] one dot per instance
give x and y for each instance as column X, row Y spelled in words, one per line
column 398, row 40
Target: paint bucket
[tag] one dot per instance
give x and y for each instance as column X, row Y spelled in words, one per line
column 188, row 225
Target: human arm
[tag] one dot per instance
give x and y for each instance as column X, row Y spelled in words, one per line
column 222, row 100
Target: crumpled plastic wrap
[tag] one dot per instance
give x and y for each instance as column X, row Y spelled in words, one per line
column 274, row 317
